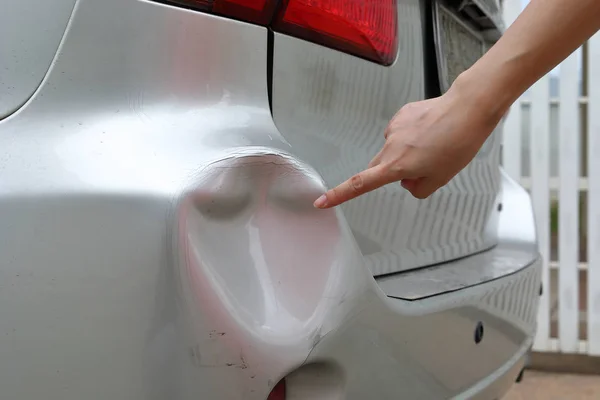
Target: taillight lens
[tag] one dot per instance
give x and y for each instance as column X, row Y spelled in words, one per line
column 254, row 11
column 278, row 392
column 366, row 28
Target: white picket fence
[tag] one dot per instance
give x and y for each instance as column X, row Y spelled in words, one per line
column 542, row 149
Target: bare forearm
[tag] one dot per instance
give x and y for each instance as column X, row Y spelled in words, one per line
column 542, row 36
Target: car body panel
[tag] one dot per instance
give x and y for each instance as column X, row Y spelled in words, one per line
column 516, row 250
column 434, row 355
column 158, row 239
column 30, row 32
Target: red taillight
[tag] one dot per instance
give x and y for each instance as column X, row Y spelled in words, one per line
column 366, row 28
column 255, row 11
column 278, row 392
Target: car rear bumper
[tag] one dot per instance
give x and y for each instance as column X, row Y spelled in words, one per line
column 434, row 348
column 310, row 311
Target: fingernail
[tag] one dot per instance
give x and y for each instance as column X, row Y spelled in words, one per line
column 321, row 202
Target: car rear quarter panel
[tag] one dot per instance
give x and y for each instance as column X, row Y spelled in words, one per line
column 140, row 99
column 30, row 32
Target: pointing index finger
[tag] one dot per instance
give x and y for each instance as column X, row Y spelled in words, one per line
column 361, row 183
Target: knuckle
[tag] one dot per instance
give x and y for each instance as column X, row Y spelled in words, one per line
column 404, row 109
column 396, row 168
column 334, row 194
column 419, row 194
column 356, row 183
column 387, row 131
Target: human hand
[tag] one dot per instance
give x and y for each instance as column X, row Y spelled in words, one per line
column 426, row 144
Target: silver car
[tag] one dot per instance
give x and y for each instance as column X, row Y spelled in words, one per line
column 158, row 164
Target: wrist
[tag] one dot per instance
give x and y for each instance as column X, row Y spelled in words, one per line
column 483, row 95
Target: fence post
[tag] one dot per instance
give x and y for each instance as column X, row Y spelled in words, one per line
column 594, row 196
column 568, row 248
column 540, row 180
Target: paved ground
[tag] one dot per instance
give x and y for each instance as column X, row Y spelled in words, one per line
column 545, row 386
